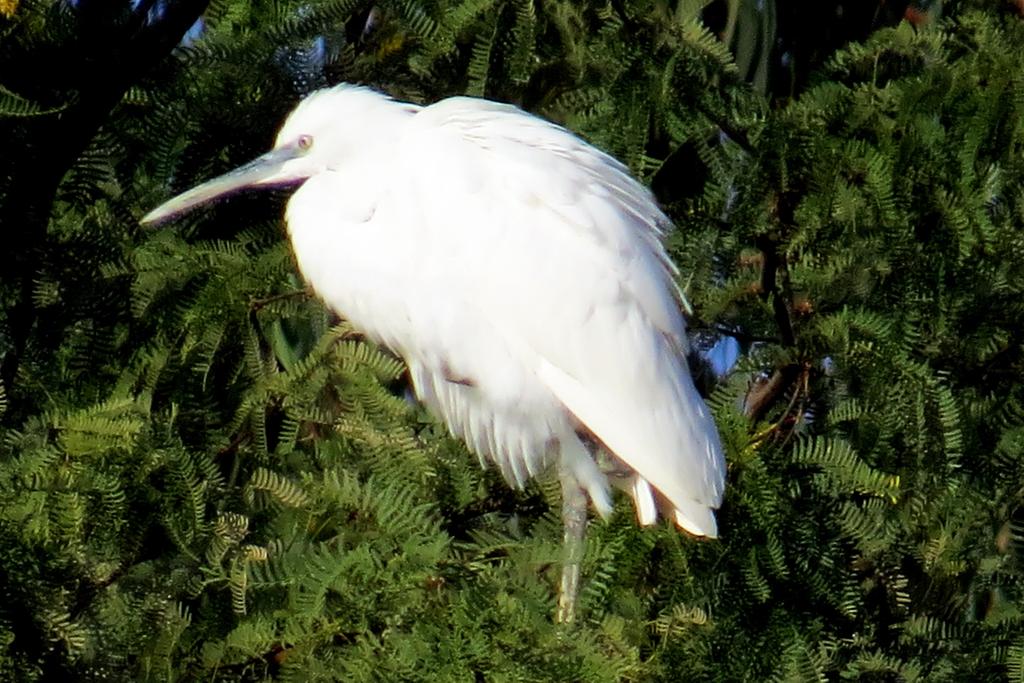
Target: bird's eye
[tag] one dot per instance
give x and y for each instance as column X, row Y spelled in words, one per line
column 304, row 142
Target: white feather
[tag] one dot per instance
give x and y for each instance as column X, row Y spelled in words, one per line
column 643, row 499
column 520, row 274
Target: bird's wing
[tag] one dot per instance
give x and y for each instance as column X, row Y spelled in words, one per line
column 558, row 248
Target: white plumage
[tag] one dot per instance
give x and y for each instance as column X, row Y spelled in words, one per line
column 518, row 271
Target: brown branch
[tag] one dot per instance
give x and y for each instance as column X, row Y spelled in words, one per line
column 773, row 270
column 258, row 304
column 776, row 289
column 763, row 394
column 82, row 75
column 741, row 336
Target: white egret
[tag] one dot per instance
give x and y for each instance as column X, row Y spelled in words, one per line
column 520, row 274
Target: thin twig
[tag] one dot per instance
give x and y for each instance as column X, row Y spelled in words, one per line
column 774, row 268
column 258, row 304
column 741, row 336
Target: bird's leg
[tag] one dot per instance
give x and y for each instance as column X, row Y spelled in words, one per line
column 574, row 518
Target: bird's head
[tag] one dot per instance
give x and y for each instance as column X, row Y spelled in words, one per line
column 329, row 127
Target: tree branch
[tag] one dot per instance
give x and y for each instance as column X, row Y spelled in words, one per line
column 105, row 48
column 773, row 269
column 745, row 337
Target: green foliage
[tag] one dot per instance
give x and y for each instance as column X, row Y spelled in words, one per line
column 12, row 104
column 205, row 475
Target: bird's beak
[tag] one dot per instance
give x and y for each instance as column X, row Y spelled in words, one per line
column 264, row 170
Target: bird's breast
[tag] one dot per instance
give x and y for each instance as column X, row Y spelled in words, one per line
column 351, row 257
